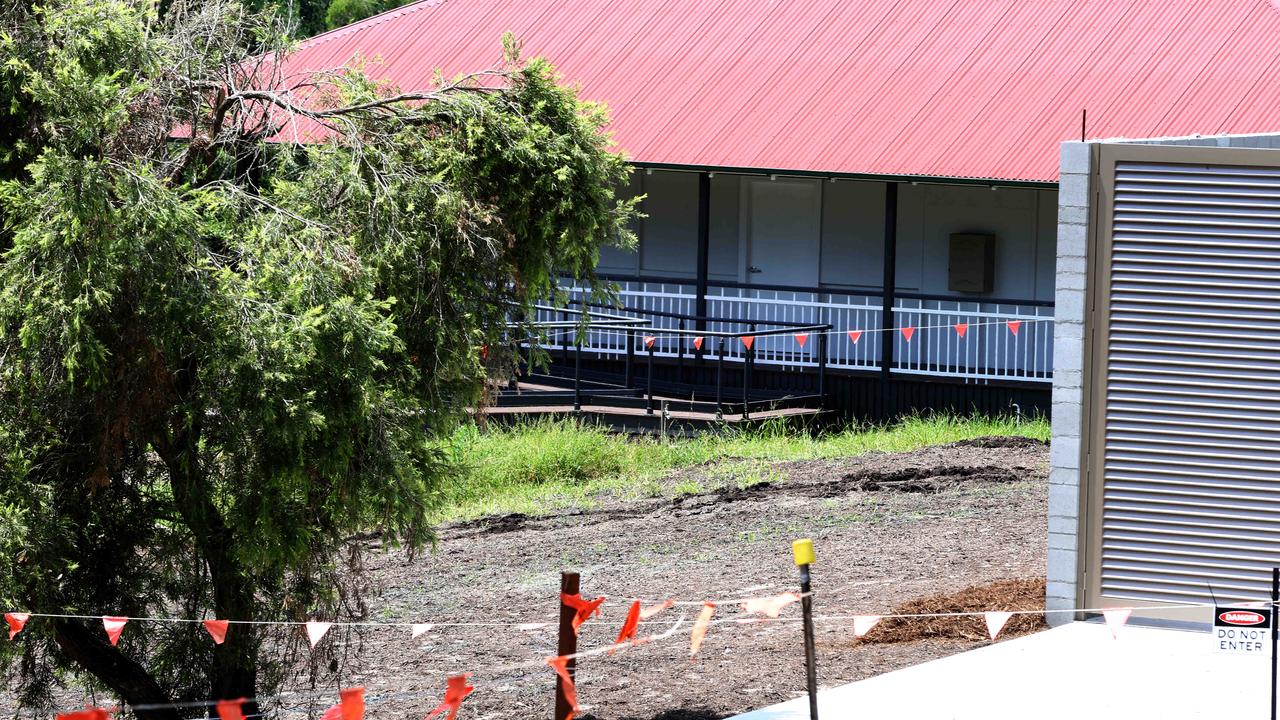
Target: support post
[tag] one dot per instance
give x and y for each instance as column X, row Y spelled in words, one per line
column 822, row 371
column 889, row 283
column 567, row 642
column 648, row 409
column 564, row 339
column 577, row 371
column 748, row 361
column 1275, row 598
column 704, row 249
column 802, row 550
column 680, row 352
column 631, row 358
column 720, row 382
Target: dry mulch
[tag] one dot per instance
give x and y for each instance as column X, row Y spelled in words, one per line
column 1007, row 595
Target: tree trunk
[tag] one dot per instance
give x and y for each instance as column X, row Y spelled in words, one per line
column 125, row 677
column 234, row 673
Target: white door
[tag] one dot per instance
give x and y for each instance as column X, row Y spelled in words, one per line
column 783, row 232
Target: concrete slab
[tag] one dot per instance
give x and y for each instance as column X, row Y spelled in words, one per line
column 1074, row 671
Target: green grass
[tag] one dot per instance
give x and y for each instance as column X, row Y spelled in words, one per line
column 545, row 466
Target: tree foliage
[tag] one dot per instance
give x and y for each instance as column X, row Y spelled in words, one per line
column 223, row 352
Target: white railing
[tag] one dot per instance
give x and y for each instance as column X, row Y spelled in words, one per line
column 989, row 349
column 798, row 307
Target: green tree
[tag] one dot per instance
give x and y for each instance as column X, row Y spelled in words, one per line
column 223, row 352
column 345, row 12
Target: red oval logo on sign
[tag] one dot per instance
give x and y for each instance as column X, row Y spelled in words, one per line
column 1241, row 617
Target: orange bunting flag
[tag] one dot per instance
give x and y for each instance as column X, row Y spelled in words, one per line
column 961, row 329
column 697, row 343
column 907, row 332
column 230, row 709
column 114, row 626
column 217, row 630
column 484, row 352
column 316, row 631
column 420, row 628
column 629, row 626
column 561, row 666
column 700, row 629
column 996, row 622
column 1014, row 325
column 748, row 341
column 351, row 702
column 455, row 692
column 585, row 608
column 86, row 714
column 1116, row 618
column 769, row 606
column 802, row 338
column 648, row 340
column 855, row 336
column 862, row 624
column 652, row 610
column 349, row 707
column 16, row 621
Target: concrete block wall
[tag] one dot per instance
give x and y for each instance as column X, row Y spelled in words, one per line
column 1068, row 380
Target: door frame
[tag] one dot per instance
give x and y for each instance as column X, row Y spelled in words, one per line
column 746, row 226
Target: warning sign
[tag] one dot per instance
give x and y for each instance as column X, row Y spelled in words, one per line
column 1242, row 630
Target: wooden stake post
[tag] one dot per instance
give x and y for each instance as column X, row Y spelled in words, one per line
column 568, row 641
column 803, row 552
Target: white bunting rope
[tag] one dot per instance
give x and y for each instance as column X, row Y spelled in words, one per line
column 333, row 624
column 537, row 625
column 673, row 631
column 678, row 628
column 1042, row 611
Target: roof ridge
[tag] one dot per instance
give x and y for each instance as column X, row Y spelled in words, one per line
column 368, row 22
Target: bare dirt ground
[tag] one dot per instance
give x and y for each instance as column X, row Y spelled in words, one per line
column 888, row 528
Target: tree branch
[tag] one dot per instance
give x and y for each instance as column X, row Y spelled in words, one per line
column 125, row 677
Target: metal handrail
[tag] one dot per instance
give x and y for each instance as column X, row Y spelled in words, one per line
column 631, row 328
column 791, row 330
column 589, row 313
column 687, row 316
column 568, row 325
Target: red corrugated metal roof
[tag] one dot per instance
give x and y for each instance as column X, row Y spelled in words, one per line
column 951, row 88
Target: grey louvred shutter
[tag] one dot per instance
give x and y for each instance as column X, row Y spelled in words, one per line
column 1191, row 445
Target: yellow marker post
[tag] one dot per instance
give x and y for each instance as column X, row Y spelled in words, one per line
column 802, row 551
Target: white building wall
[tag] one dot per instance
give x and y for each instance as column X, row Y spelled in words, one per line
column 1020, row 218
column 625, row 262
column 852, row 232
column 722, row 257
column 669, row 238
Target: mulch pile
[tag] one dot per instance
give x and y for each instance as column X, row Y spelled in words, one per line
column 998, row 595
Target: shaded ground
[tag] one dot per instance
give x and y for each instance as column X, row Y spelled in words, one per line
column 888, row 529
